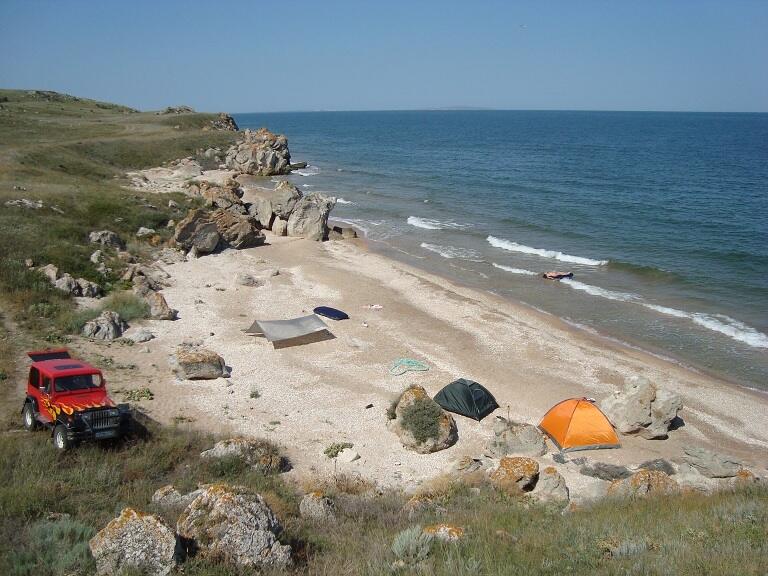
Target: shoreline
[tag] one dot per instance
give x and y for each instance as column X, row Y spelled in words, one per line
column 581, row 329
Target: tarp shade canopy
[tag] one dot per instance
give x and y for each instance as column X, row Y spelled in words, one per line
column 293, row 332
column 467, row 398
column 577, row 424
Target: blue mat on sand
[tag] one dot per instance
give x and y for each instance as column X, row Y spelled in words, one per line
column 331, row 313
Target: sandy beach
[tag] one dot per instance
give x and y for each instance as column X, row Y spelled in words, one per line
column 314, row 395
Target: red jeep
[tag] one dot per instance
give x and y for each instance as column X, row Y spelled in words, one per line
column 70, row 398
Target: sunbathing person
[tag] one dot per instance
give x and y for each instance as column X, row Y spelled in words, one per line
column 557, row 275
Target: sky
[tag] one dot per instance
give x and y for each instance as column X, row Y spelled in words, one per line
column 286, row 55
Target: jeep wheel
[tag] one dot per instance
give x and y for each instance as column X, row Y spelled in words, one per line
column 60, row 439
column 28, row 417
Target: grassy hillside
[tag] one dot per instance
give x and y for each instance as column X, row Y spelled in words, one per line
column 71, row 154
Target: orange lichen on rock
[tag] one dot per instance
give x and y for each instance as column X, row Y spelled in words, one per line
column 644, row 483
column 445, row 532
column 515, row 473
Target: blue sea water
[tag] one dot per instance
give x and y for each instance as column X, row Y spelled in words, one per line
column 662, row 217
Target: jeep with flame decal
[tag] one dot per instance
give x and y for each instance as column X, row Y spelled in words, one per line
column 69, row 397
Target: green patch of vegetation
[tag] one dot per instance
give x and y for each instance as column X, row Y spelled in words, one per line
column 422, row 419
column 138, row 394
column 255, row 394
column 333, row 450
column 61, row 546
column 126, row 304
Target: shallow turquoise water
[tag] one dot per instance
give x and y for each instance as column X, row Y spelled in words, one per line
column 661, row 216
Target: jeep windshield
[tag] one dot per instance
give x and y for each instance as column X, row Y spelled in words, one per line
column 78, row 382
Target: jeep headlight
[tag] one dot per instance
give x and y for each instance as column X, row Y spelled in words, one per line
column 114, row 412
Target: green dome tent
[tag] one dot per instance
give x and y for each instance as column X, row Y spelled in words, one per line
column 467, row 398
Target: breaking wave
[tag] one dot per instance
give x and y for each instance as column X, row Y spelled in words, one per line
column 429, row 224
column 515, row 247
column 514, row 270
column 720, row 323
column 310, row 170
column 343, row 201
column 451, row 252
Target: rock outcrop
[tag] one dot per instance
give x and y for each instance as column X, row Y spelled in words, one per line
column 514, row 439
column 643, row 483
column 197, row 232
column 642, row 408
column 227, row 196
column 192, row 362
column 421, row 424
column 237, row 231
column 309, row 218
column 278, row 203
column 137, row 541
column 228, row 523
column 106, row 238
column 168, row 497
column 260, row 153
column 258, row 454
column 204, row 231
column 224, row 122
column 107, row 326
column 515, row 474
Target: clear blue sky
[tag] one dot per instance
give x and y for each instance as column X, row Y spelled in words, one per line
column 348, row 55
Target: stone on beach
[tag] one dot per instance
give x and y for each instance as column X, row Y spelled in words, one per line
column 643, row 408
column 137, row 541
column 259, row 454
column 193, row 362
column 551, row 486
column 712, row 464
column 643, row 483
column 309, row 218
column 107, row 326
column 197, row 232
column 514, row 439
column 158, row 307
column 237, row 231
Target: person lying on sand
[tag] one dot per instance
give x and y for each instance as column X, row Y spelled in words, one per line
column 557, row 275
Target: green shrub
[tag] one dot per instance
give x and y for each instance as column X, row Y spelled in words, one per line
column 412, row 545
column 60, row 546
column 422, row 419
column 333, row 450
column 128, row 305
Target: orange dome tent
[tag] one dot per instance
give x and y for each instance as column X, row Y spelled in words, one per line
column 577, row 424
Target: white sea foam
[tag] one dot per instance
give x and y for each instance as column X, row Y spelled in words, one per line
column 453, row 252
column 716, row 322
column 307, row 186
column 514, row 270
column 343, row 201
column 310, row 170
column 597, row 291
column 429, row 224
column 515, row 247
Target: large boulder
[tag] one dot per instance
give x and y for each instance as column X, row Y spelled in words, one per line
column 277, row 204
column 224, row 122
column 643, row 483
column 134, row 541
column 259, row 454
column 642, row 408
column 106, row 238
column 515, row 474
column 107, row 326
column 197, row 231
column 280, row 227
column 260, row 153
column 228, row 523
column 712, row 464
column 514, row 439
column 168, row 497
column 421, row 424
column 193, row 362
column 158, row 307
column 237, row 231
column 551, row 486
column 309, row 218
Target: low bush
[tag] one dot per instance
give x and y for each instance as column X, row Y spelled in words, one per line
column 422, row 419
column 333, row 450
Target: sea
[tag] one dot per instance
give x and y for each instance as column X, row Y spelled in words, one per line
column 661, row 217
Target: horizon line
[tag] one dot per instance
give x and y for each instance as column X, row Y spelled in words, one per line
column 482, row 109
